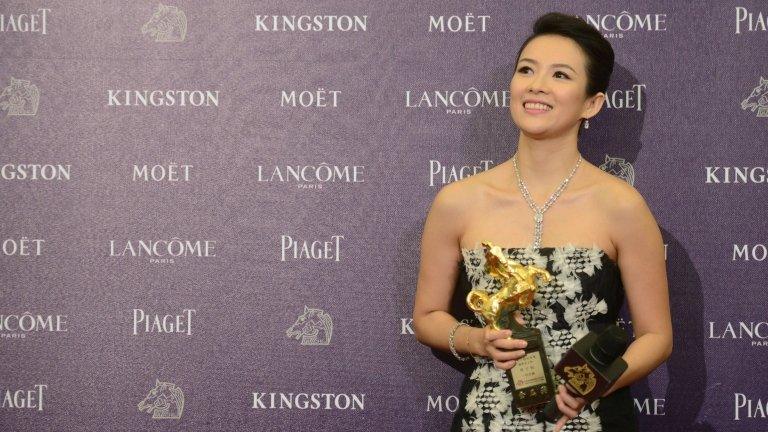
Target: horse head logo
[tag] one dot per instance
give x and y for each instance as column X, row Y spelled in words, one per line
column 168, row 24
column 620, row 168
column 165, row 401
column 313, row 327
column 20, row 98
column 758, row 99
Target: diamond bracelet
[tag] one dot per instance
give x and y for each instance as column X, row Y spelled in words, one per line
column 451, row 338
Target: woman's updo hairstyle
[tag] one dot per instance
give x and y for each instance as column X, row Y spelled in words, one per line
column 597, row 49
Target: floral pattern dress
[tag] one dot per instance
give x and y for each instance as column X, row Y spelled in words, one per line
column 584, row 294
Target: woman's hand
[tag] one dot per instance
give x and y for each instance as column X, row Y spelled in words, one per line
column 498, row 345
column 569, row 405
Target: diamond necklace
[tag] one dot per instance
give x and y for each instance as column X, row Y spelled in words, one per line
column 538, row 213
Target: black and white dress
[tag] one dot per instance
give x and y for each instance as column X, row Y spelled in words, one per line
column 585, row 294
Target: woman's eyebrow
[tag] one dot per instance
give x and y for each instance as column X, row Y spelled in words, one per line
column 554, row 65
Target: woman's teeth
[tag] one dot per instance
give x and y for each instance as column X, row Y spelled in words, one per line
column 537, row 106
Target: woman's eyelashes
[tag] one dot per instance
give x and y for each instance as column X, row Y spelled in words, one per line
column 557, row 74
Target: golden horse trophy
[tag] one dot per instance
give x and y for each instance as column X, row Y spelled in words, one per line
column 530, row 379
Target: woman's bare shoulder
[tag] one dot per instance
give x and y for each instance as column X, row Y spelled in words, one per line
column 466, row 192
column 625, row 208
column 612, row 193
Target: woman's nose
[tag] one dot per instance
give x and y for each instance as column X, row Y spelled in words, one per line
column 537, row 84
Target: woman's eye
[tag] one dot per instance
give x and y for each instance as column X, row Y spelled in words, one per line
column 562, row 74
column 523, row 69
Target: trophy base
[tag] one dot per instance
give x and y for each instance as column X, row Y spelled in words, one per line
column 531, row 377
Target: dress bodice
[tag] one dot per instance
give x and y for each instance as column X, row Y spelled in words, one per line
column 585, row 294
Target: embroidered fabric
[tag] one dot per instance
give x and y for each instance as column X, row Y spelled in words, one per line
column 585, row 293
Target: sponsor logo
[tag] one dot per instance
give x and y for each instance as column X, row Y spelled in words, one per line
column 320, row 98
column 442, row 174
column 627, row 99
column 406, row 326
column 754, row 332
column 171, row 173
column 167, row 24
column 162, row 98
column 718, row 174
column 457, row 101
column 164, row 401
column 650, row 406
column 744, row 407
column 24, row 398
column 757, row 101
column 750, row 21
column 442, row 403
column 23, row 247
column 315, row 250
column 313, row 401
column 25, row 22
column 20, row 98
column 620, row 168
column 614, row 26
column 311, row 23
column 34, row 172
column 155, row 323
column 581, row 378
column 312, row 327
column 163, row 251
column 744, row 252
column 15, row 326
column 468, row 23
column 311, row 176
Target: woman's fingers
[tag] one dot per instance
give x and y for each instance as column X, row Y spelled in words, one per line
column 569, row 405
column 560, row 423
column 576, row 403
column 502, row 349
column 565, row 408
column 492, row 335
column 504, row 365
column 504, row 355
column 510, row 343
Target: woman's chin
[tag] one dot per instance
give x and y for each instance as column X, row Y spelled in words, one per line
column 535, row 132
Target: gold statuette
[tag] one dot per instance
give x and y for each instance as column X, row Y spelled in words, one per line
column 531, row 377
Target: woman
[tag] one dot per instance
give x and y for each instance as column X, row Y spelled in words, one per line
column 602, row 243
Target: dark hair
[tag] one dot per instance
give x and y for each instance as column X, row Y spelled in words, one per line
column 597, row 49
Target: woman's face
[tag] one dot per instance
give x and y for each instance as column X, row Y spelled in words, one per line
column 551, row 70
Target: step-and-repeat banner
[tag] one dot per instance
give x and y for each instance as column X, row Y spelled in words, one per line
column 211, row 211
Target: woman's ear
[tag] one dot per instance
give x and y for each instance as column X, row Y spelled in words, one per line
column 593, row 105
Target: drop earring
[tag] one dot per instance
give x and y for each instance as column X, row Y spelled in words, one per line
column 586, row 124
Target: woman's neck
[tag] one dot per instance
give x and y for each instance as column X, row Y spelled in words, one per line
column 543, row 164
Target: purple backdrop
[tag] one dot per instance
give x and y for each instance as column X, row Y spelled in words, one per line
column 212, row 210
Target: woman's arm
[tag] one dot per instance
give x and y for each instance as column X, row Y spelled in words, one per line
column 438, row 270
column 643, row 273
column 640, row 247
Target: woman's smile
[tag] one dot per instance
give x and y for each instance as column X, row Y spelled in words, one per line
column 536, row 107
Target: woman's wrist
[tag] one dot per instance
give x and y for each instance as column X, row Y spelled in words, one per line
column 463, row 339
column 469, row 340
column 475, row 342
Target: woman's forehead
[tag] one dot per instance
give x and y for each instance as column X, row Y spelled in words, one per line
column 553, row 49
